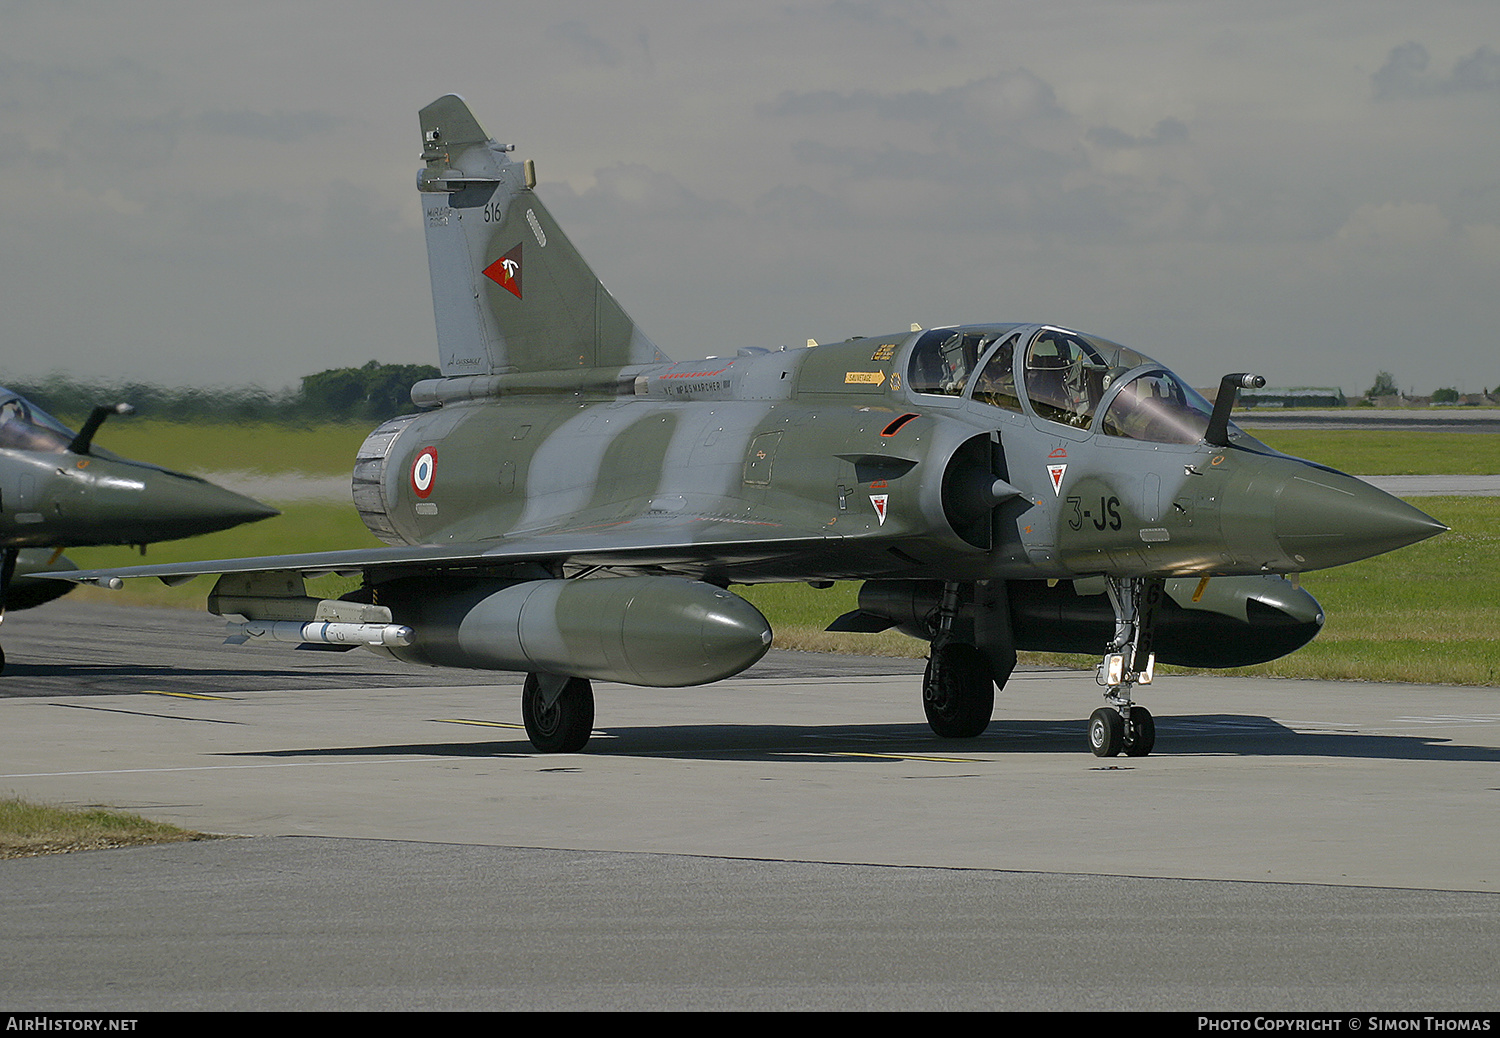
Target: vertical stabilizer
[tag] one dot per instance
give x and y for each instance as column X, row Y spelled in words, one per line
column 509, row 290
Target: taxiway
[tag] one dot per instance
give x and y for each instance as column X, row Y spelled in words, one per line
column 1290, row 844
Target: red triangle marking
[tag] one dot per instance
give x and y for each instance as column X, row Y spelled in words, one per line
column 506, row 271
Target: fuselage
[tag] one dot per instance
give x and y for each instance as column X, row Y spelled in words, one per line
column 969, row 453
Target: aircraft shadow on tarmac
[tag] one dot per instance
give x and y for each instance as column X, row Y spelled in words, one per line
column 108, row 679
column 1183, row 735
column 23, row 679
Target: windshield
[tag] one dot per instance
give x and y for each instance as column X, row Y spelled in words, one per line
column 1157, row 406
column 26, row 427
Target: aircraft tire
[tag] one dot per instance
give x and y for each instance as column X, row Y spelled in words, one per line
column 1141, row 733
column 1106, row 732
column 567, row 725
column 957, row 693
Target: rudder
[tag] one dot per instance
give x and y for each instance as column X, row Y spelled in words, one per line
column 510, row 292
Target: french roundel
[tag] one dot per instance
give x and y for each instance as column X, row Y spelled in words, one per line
column 422, row 471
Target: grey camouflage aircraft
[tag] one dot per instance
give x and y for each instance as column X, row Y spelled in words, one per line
column 574, row 505
column 57, row 491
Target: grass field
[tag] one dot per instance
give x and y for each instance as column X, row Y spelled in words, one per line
column 28, row 829
column 1364, row 452
column 316, row 450
column 1429, row 612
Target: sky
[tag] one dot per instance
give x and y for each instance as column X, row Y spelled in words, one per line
column 202, row 194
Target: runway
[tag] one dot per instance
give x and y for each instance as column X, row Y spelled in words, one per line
column 793, row 837
column 1431, row 419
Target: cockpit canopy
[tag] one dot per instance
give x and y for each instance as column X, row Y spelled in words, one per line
column 1061, row 376
column 26, row 427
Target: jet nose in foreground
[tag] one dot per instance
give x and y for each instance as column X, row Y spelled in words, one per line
column 209, row 507
column 173, row 505
column 1324, row 518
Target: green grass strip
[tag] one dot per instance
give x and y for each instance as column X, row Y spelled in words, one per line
column 28, row 829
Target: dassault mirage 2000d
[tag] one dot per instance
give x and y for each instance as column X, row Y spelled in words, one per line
column 57, row 490
column 573, row 505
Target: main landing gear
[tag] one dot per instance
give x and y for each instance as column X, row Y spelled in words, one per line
column 957, row 693
column 558, row 711
column 8, row 558
column 1123, row 726
column 968, row 659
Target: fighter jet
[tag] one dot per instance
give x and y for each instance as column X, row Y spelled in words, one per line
column 572, row 504
column 57, row 490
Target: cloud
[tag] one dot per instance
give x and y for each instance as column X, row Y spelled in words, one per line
column 803, row 206
column 589, row 48
column 28, row 84
column 1395, row 227
column 1480, row 71
column 636, row 192
column 884, row 15
column 998, row 153
column 280, row 127
column 979, row 105
column 1404, row 74
column 1168, row 131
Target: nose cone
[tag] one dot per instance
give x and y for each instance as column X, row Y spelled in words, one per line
column 139, row 504
column 1325, row 518
column 203, row 507
column 1285, row 515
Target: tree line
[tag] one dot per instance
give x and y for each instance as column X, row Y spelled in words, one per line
column 1385, row 386
column 370, row 393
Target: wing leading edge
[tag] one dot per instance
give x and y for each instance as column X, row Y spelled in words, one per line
column 640, row 547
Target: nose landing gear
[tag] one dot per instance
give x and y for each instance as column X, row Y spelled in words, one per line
column 1123, row 726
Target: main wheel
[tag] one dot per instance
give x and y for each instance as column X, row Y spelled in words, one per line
column 957, row 693
column 1140, row 733
column 566, row 725
column 1106, row 732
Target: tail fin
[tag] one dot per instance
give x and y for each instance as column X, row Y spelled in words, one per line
column 510, row 292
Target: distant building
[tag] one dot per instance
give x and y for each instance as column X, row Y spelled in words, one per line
column 1295, row 396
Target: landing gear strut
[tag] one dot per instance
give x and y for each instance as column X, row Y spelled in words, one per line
column 8, row 558
column 1129, row 661
column 558, row 711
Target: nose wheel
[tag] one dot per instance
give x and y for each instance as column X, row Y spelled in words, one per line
column 1111, row 734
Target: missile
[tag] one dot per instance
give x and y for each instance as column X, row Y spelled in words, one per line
column 320, row 632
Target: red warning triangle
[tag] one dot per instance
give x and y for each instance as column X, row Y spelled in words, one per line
column 1057, row 472
column 506, row 271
